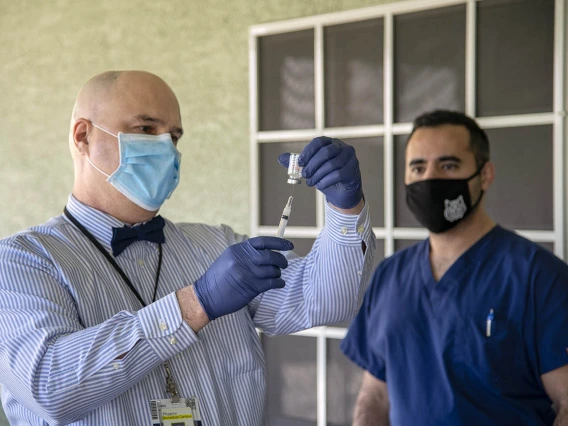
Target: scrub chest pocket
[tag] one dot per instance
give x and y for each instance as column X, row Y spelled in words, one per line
column 491, row 348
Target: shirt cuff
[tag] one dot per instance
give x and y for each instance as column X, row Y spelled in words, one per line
column 165, row 330
column 349, row 229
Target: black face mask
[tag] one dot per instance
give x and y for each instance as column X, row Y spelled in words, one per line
column 440, row 204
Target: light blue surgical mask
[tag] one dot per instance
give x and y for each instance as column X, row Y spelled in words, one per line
column 148, row 171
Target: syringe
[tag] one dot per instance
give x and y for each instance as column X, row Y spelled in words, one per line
column 284, row 218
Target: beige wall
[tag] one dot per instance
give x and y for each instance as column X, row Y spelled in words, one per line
column 48, row 49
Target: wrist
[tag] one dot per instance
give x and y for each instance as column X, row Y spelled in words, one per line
column 191, row 310
column 353, row 210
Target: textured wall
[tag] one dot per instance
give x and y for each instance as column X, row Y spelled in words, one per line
column 200, row 47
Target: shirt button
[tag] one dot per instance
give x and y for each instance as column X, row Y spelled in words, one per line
column 360, row 272
column 140, row 262
column 163, row 326
column 115, row 365
column 344, row 230
column 360, row 229
column 173, row 340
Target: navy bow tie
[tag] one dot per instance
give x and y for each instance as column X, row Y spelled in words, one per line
column 151, row 231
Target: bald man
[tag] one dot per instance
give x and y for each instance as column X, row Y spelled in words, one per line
column 112, row 315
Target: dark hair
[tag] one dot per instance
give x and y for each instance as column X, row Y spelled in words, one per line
column 478, row 141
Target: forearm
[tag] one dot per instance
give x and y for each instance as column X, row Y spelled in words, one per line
column 67, row 398
column 370, row 410
column 326, row 286
column 59, row 369
column 562, row 415
column 49, row 375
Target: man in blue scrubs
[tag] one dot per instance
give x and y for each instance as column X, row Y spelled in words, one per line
column 469, row 327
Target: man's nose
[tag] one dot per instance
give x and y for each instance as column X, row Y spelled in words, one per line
column 430, row 172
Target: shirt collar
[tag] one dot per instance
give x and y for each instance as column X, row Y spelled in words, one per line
column 98, row 223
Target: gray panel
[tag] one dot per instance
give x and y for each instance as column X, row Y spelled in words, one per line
column 521, row 195
column 548, row 246
column 343, row 384
column 403, row 217
column 354, row 73
column 515, row 56
column 429, row 62
column 3, row 419
column 302, row 246
column 286, row 81
column 370, row 153
column 379, row 256
column 274, row 191
column 291, row 380
column 402, row 244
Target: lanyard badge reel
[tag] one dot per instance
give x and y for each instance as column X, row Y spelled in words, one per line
column 176, row 411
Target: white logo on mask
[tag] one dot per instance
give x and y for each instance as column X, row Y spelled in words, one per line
column 455, row 209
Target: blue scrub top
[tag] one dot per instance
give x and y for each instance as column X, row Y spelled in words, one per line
column 428, row 340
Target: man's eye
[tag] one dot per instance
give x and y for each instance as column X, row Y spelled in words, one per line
column 450, row 166
column 145, row 129
column 417, row 169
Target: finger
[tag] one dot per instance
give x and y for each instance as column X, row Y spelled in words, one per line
column 324, row 155
column 284, row 159
column 266, row 271
column 313, row 147
column 329, row 180
column 270, row 284
column 340, row 162
column 271, row 243
column 270, row 258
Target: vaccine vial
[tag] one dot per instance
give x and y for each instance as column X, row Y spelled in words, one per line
column 294, row 170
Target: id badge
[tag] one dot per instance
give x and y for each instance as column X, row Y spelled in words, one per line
column 185, row 412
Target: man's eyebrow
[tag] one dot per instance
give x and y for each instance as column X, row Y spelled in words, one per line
column 449, row 158
column 416, row 161
column 441, row 159
column 150, row 119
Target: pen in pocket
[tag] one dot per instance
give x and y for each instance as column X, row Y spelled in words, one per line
column 490, row 316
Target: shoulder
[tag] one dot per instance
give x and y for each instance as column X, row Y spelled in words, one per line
column 36, row 247
column 400, row 260
column 522, row 249
column 36, row 238
column 398, row 269
column 206, row 235
column 523, row 254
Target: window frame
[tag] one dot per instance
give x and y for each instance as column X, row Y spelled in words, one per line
column 389, row 233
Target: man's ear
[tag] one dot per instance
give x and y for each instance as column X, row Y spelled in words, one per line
column 487, row 175
column 80, row 133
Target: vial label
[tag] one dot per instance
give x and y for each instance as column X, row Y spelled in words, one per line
column 294, row 170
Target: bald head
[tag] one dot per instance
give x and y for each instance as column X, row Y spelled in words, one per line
column 96, row 90
column 129, row 102
column 104, row 88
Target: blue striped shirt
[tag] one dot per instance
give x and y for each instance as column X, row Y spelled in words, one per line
column 66, row 317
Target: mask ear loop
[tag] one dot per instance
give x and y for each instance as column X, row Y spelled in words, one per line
column 104, row 130
column 89, row 159
column 96, row 168
column 478, row 172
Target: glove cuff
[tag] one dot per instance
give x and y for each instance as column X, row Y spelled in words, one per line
column 202, row 297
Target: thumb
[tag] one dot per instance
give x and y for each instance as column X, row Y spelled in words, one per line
column 284, row 159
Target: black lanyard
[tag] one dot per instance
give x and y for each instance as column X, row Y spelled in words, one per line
column 113, row 262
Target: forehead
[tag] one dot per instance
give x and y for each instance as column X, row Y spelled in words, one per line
column 433, row 142
column 144, row 95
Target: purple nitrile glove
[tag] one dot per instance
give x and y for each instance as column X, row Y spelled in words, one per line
column 241, row 273
column 332, row 167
